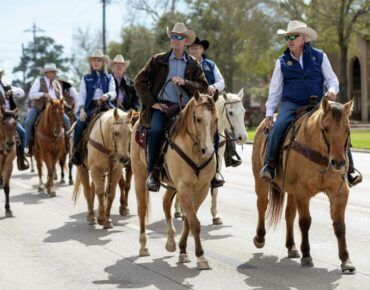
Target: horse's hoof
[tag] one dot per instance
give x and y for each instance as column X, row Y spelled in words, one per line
column 70, row 182
column 259, row 245
column 184, row 258
column 9, row 213
column 144, row 252
column 52, row 194
column 217, row 221
column 62, row 181
column 347, row 267
column 202, row 264
column 124, row 211
column 91, row 221
column 32, row 170
column 41, row 189
column 108, row 225
column 55, row 177
column 171, row 246
column 101, row 221
column 178, row 215
column 293, row 254
column 307, row 262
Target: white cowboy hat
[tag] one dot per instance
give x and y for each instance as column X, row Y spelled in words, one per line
column 296, row 26
column 66, row 79
column 181, row 29
column 50, row 67
column 120, row 59
column 98, row 53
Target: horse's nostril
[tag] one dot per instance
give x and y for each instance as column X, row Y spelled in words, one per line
column 10, row 144
column 203, row 151
column 240, row 138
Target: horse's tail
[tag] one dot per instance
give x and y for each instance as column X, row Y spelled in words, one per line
column 76, row 188
column 276, row 203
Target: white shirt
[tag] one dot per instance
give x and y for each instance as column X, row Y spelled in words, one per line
column 98, row 92
column 219, row 79
column 35, row 89
column 331, row 83
column 73, row 93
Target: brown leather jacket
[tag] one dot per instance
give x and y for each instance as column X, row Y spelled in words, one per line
column 151, row 79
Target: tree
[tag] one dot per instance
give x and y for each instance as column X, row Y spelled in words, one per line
column 36, row 55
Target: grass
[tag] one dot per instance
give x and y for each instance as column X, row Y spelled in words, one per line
column 360, row 138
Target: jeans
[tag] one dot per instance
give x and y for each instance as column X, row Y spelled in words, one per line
column 22, row 135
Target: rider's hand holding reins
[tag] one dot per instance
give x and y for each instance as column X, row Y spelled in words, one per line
column 211, row 90
column 269, row 122
column 47, row 95
column 331, row 96
column 82, row 115
column 178, row 81
column 161, row 107
column 104, row 98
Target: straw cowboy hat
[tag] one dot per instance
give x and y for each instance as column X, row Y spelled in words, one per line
column 65, row 79
column 120, row 59
column 98, row 53
column 181, row 29
column 204, row 43
column 299, row 27
column 50, row 67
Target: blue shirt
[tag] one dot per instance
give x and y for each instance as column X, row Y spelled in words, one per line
column 176, row 68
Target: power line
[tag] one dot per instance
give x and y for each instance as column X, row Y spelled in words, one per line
column 34, row 29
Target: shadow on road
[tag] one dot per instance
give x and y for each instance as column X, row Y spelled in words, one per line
column 29, row 197
column 79, row 230
column 267, row 272
column 124, row 275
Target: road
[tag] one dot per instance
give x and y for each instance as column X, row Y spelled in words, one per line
column 48, row 244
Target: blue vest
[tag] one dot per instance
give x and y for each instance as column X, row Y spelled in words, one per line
column 208, row 67
column 299, row 84
column 93, row 81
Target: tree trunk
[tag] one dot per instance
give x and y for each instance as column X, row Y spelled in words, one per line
column 343, row 80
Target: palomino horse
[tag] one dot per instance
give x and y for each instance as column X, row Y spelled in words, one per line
column 107, row 153
column 8, row 133
column 190, row 165
column 314, row 160
column 231, row 119
column 49, row 142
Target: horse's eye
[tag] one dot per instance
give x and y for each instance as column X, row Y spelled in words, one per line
column 116, row 133
column 199, row 120
column 230, row 113
column 326, row 129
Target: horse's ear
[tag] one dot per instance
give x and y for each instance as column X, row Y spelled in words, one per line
column 196, row 95
column 129, row 117
column 348, row 107
column 241, row 93
column 115, row 114
column 215, row 96
column 224, row 95
column 325, row 105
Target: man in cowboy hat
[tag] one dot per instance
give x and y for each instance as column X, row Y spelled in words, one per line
column 97, row 87
column 42, row 90
column 156, row 85
column 7, row 95
column 69, row 92
column 215, row 82
column 126, row 95
column 300, row 72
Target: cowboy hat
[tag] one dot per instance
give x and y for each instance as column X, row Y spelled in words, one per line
column 120, row 59
column 50, row 67
column 2, row 72
column 204, row 43
column 296, row 26
column 181, row 29
column 98, row 53
column 65, row 79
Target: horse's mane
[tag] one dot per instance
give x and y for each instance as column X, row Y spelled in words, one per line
column 181, row 123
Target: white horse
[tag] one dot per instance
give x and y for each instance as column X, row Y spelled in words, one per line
column 231, row 113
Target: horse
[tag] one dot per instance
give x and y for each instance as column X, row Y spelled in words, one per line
column 313, row 159
column 107, row 153
column 231, row 119
column 49, row 142
column 8, row 133
column 190, row 164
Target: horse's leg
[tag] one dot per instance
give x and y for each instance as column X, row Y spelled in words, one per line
column 216, row 220
column 304, row 224
column 127, row 187
column 116, row 174
column 50, row 165
column 62, row 162
column 98, row 181
column 290, row 213
column 7, row 172
column 171, row 231
column 178, row 213
column 184, row 258
column 338, row 203
column 88, row 192
column 262, row 189
column 38, row 159
column 32, row 164
column 122, row 200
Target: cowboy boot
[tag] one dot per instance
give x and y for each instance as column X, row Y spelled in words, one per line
column 153, row 182
column 230, row 151
column 22, row 162
column 217, row 182
column 354, row 177
column 29, row 151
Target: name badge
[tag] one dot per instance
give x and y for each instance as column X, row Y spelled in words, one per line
column 289, row 63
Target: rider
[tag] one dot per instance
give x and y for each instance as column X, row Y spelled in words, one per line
column 300, row 72
column 156, row 84
column 126, row 94
column 43, row 89
column 69, row 93
column 96, row 87
column 7, row 95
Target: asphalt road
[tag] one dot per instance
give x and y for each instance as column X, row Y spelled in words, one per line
column 49, row 245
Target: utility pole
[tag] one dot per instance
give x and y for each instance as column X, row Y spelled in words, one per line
column 104, row 2
column 34, row 29
column 23, row 67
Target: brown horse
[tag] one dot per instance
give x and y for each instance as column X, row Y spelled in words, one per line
column 8, row 134
column 190, row 165
column 314, row 160
column 107, row 153
column 49, row 142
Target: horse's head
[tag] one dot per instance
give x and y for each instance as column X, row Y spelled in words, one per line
column 205, row 121
column 8, row 123
column 55, row 113
column 335, row 131
column 121, row 134
column 231, row 114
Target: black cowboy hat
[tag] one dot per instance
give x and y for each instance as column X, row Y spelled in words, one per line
column 204, row 43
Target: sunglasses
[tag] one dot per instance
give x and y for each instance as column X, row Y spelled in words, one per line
column 292, row 37
column 177, row 37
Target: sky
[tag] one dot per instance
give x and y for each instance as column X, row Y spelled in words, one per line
column 58, row 18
